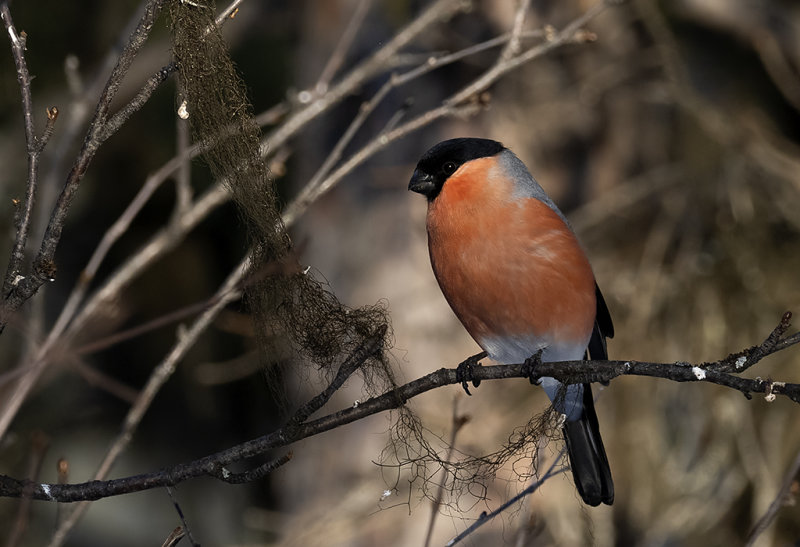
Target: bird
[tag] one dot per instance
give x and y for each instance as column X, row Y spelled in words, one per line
column 516, row 276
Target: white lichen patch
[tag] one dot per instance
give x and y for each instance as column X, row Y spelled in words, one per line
column 699, row 373
column 46, row 490
column 740, row 362
column 183, row 111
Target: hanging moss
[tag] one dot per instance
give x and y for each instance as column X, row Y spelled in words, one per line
column 287, row 303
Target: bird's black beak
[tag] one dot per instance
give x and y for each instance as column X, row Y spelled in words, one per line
column 422, row 183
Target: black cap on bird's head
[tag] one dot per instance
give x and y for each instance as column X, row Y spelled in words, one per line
column 444, row 159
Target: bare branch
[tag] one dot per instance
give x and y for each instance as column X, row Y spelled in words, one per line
column 460, row 103
column 567, row 372
column 340, row 51
column 438, row 11
column 43, row 265
column 534, row 486
column 227, row 293
column 142, row 96
column 163, row 241
column 571, row 32
column 458, row 421
column 34, row 147
column 213, row 466
column 779, row 501
column 229, row 12
column 39, row 445
column 174, row 537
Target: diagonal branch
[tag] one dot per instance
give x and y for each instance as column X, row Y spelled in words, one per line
column 552, row 471
column 781, row 500
column 215, row 465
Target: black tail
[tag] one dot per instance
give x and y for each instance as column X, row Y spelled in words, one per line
column 587, row 457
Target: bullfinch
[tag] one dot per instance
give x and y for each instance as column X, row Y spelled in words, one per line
column 515, row 275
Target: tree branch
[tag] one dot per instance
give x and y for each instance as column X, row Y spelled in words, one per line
column 44, row 265
column 781, row 500
column 567, row 372
column 34, row 146
column 213, row 466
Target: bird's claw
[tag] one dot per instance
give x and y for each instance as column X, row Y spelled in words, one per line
column 465, row 368
column 530, row 365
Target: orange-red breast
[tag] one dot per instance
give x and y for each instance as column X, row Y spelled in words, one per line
column 516, row 276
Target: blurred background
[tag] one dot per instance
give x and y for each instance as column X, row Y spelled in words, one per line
column 671, row 142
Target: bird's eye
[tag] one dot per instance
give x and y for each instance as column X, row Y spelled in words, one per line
column 449, row 168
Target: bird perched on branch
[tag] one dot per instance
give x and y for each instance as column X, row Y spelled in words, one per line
column 513, row 272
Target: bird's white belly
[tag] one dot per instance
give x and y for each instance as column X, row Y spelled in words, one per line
column 516, row 349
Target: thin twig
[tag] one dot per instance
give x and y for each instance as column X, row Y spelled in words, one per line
column 160, row 375
column 458, row 421
column 134, row 105
column 337, row 58
column 776, row 505
column 183, row 178
column 457, row 104
column 439, row 11
column 174, row 537
column 569, row 33
column 185, row 528
column 228, row 13
column 551, row 472
column 43, row 265
column 103, row 381
column 513, row 46
column 33, row 147
column 777, row 65
column 164, row 240
column 77, row 113
column 39, row 445
column 369, row 347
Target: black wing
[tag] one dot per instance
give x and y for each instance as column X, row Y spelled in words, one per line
column 603, row 328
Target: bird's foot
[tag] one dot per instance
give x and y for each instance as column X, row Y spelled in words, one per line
column 530, row 365
column 465, row 368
